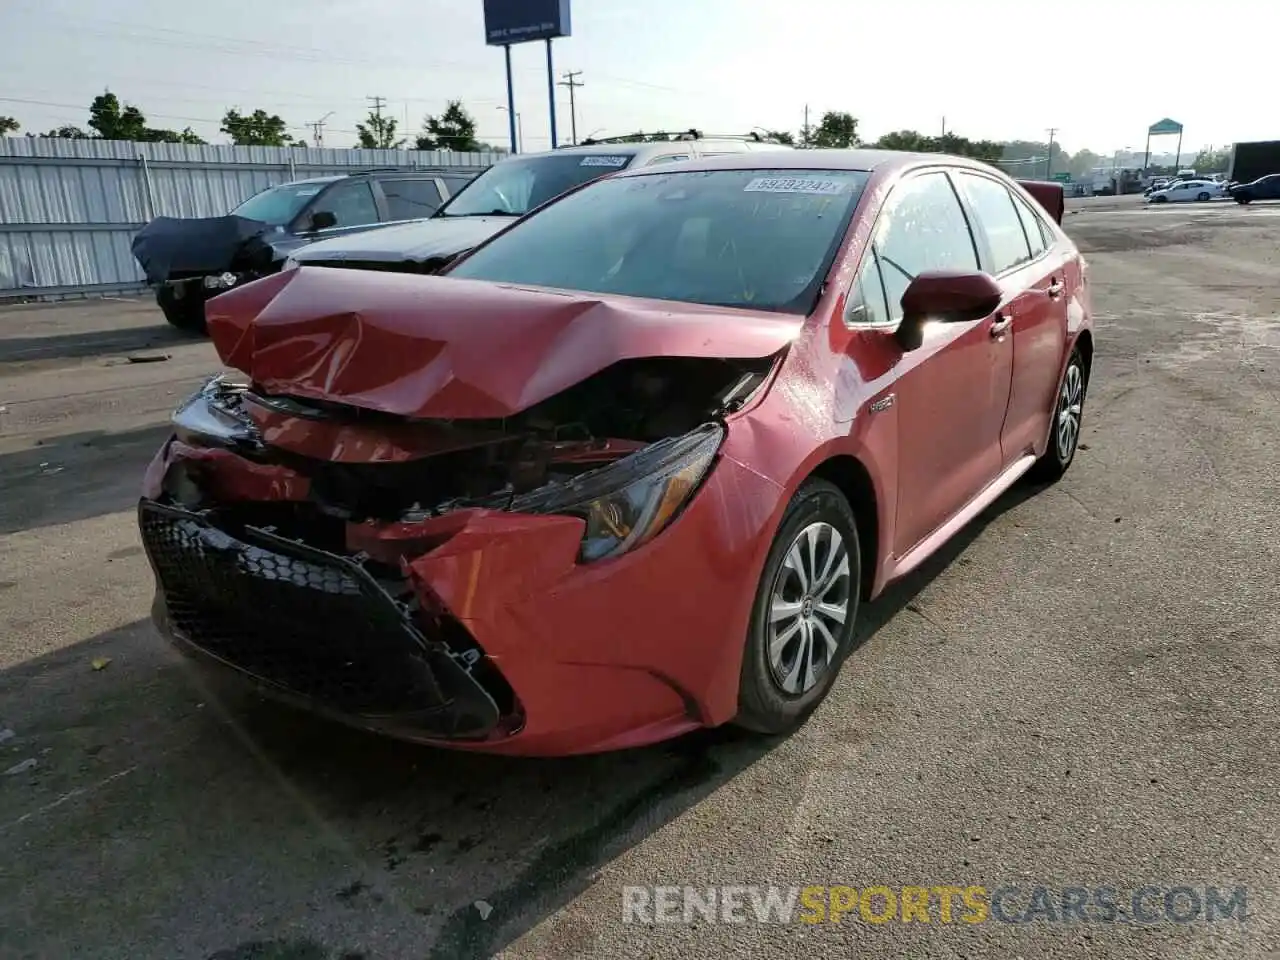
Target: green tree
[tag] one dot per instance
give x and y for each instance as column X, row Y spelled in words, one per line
column 909, row 140
column 115, row 121
column 836, row 130
column 9, row 125
column 379, row 133
column 455, row 129
column 64, row 133
column 781, row 136
column 916, row 142
column 112, row 120
column 1207, row 160
column 257, row 129
column 1082, row 163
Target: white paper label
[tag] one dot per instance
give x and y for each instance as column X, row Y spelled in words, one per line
column 827, row 188
column 604, row 161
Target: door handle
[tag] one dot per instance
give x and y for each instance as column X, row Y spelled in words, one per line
column 1001, row 324
column 1055, row 290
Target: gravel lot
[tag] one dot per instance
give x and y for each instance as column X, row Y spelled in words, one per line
column 1081, row 691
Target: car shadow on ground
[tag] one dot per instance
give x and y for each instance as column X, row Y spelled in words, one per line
column 76, row 477
column 296, row 835
column 95, row 343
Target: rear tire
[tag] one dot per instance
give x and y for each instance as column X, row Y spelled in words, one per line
column 1243, row 201
column 1202, row 196
column 183, row 313
column 803, row 619
column 1068, row 416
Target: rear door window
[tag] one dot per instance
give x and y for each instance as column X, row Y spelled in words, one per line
column 350, row 202
column 923, row 228
column 1039, row 236
column 411, row 199
column 455, row 183
column 992, row 206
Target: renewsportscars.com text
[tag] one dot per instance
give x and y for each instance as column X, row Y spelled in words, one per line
column 942, row 903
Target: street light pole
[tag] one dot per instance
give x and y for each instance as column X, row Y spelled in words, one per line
column 519, row 125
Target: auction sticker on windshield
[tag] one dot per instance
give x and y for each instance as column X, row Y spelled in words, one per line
column 795, row 185
column 604, row 161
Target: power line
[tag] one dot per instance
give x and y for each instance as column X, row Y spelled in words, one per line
column 571, row 81
column 235, row 46
column 317, row 128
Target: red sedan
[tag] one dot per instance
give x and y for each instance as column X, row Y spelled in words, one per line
column 630, row 467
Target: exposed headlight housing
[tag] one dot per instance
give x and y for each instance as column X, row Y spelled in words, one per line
column 290, row 263
column 214, row 416
column 630, row 502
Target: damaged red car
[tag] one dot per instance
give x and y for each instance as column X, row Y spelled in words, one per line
column 630, row 467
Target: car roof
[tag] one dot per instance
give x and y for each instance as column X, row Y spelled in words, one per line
column 861, row 160
column 434, row 171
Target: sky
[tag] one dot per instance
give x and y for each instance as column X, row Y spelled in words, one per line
column 988, row 69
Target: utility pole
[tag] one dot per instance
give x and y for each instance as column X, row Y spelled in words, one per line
column 317, row 128
column 378, row 104
column 944, row 126
column 571, row 81
column 1048, row 164
column 804, row 131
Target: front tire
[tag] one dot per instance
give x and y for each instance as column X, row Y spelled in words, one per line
column 1161, row 200
column 803, row 619
column 1068, row 415
column 1243, row 200
column 183, row 313
column 1202, row 197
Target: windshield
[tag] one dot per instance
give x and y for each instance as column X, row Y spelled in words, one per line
column 514, row 187
column 758, row 239
column 279, row 205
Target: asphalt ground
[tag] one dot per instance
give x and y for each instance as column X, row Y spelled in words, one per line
column 1081, row 691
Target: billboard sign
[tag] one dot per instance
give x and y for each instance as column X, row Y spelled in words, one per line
column 1164, row 126
column 519, row 21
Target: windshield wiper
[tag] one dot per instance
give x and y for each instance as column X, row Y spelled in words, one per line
column 485, row 213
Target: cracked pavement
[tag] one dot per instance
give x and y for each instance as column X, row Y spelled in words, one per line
column 1081, row 690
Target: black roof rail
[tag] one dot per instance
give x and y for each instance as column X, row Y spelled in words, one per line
column 403, row 169
column 664, row 136
column 658, row 136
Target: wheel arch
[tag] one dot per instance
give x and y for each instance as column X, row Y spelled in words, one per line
column 1084, row 343
column 851, row 476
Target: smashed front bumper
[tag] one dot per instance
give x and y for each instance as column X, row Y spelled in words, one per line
column 315, row 628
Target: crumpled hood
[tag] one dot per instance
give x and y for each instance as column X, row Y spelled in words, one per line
column 435, row 347
column 416, row 241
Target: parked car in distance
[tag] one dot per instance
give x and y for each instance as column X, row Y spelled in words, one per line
column 1264, row 188
column 507, row 191
column 188, row 260
column 1181, row 191
column 632, row 466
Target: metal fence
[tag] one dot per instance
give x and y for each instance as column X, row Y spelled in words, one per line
column 69, row 208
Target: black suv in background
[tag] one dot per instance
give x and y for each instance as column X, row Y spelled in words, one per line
column 507, row 191
column 190, row 260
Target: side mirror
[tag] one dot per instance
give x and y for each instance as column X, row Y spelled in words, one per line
column 946, row 296
column 323, row 220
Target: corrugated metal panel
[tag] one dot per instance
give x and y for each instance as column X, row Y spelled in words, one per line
column 69, row 208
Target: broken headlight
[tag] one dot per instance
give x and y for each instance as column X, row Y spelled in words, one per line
column 214, row 416
column 630, row 502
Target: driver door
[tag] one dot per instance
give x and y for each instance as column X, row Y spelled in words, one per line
column 952, row 392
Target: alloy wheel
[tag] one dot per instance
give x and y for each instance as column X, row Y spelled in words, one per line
column 809, row 605
column 1070, row 408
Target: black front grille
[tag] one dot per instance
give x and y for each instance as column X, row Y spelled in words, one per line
column 314, row 623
